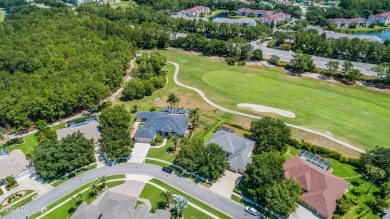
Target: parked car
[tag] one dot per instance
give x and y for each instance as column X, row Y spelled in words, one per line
column 251, row 210
column 167, row 169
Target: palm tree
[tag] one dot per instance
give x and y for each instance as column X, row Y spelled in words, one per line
column 177, row 101
column 167, row 195
column 172, row 99
column 180, row 203
column 374, row 173
column 174, row 139
column 94, row 190
column 102, row 181
column 195, row 118
column 77, row 200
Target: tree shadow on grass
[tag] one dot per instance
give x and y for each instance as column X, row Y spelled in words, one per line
column 161, row 205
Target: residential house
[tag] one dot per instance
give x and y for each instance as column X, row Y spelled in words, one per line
column 273, row 19
column 90, row 127
column 162, row 123
column 196, row 11
column 343, row 22
column 383, row 19
column 84, row 1
column 244, row 22
column 13, row 164
column 188, row 18
column 321, row 189
column 114, row 205
column 257, row 13
column 237, row 148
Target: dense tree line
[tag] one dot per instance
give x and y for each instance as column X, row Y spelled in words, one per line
column 53, row 159
column 54, row 63
column 115, row 142
column 266, row 183
column 208, row 161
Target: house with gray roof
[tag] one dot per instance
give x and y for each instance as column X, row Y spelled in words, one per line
column 13, row 164
column 113, row 205
column 237, row 148
column 162, row 123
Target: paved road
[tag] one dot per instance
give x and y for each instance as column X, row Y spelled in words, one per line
column 258, row 117
column 225, row 205
column 320, row 62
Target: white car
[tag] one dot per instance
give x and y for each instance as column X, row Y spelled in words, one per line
column 251, row 211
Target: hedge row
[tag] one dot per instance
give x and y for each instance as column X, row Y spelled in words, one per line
column 325, row 152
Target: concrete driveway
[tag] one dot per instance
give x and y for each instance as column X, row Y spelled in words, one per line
column 139, row 153
column 303, row 212
column 225, row 185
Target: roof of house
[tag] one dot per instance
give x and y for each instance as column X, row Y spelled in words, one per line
column 234, row 21
column 12, row 164
column 236, row 146
column 113, row 205
column 183, row 16
column 275, row 16
column 195, row 9
column 90, row 130
column 382, row 15
column 161, row 122
column 143, row 132
column 322, row 188
column 255, row 11
column 350, row 20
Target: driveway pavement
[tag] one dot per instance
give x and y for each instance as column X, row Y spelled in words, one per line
column 303, row 212
column 139, row 153
column 225, row 185
column 221, row 203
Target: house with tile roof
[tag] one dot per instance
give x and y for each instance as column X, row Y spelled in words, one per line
column 342, row 22
column 162, row 123
column 321, row 189
column 383, row 18
column 237, row 148
column 273, row 19
column 113, row 205
column 244, row 22
column 196, row 11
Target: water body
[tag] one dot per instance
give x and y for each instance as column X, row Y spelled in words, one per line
column 220, row 15
column 382, row 34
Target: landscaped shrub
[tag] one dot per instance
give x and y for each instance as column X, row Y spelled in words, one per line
column 285, row 46
column 10, row 182
column 14, row 141
column 159, row 138
column 231, row 60
column 153, row 143
column 242, row 63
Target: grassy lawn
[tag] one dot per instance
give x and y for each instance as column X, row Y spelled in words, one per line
column 27, row 192
column 17, row 205
column 163, row 153
column 191, row 199
column 124, row 4
column 153, row 195
column 2, row 15
column 367, row 29
column 332, row 108
column 69, row 195
column 155, row 162
column 66, row 210
column 59, row 182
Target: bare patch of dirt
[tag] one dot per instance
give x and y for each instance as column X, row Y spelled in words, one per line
column 193, row 53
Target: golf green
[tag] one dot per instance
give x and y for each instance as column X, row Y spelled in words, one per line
column 351, row 113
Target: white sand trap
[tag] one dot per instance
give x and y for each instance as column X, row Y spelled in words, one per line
column 267, row 109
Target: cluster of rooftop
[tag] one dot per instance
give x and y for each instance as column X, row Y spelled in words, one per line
column 382, row 19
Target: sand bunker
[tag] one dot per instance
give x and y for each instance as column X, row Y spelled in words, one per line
column 267, row 109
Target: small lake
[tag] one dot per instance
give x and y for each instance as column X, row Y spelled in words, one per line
column 382, row 34
column 221, row 15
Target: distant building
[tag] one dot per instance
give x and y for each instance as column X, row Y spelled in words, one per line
column 244, row 22
column 161, row 123
column 196, row 11
column 321, row 189
column 176, row 111
column 237, row 148
column 79, row 2
column 273, row 19
column 383, row 19
column 257, row 13
column 186, row 17
column 13, row 164
column 343, row 22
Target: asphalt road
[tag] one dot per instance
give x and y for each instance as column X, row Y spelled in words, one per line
column 320, row 62
column 223, row 204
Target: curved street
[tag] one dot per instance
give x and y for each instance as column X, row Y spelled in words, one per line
column 200, row 192
column 258, row 117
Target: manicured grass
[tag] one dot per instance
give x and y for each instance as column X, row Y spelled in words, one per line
column 66, row 210
column 163, row 153
column 368, row 29
column 81, row 188
column 152, row 193
column 30, row 141
column 59, row 182
column 191, row 199
column 19, row 204
column 352, row 113
column 155, row 162
column 2, row 15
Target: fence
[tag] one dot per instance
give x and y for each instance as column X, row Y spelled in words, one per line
column 192, row 174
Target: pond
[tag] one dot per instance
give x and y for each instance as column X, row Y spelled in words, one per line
column 220, row 15
column 382, row 34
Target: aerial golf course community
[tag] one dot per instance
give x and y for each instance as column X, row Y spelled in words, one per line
column 196, row 109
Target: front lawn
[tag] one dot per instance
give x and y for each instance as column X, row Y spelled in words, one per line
column 350, row 113
column 164, row 153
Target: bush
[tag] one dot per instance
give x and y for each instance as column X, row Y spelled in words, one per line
column 274, row 60
column 10, row 182
column 271, row 43
column 231, row 60
column 14, row 141
column 153, row 143
column 159, row 138
column 285, row 46
column 242, row 63
column 152, row 109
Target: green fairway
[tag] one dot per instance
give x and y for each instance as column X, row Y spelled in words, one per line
column 351, row 113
